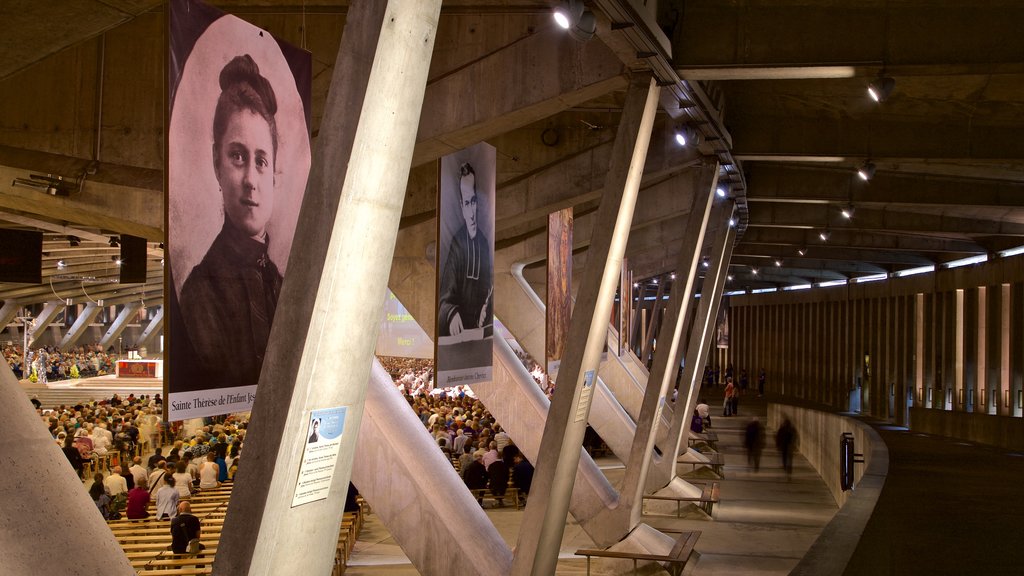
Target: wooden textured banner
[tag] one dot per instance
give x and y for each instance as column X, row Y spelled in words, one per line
column 559, row 298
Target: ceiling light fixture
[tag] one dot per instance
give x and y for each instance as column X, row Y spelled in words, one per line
column 824, row 235
column 778, row 263
column 753, row 271
column 732, row 222
column 61, row 264
column 866, row 170
column 729, row 277
column 848, row 212
column 572, row 15
column 720, row 191
column 801, row 251
column 116, row 260
column 881, row 88
column 686, row 135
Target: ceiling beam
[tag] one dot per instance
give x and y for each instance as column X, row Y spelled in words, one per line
column 816, row 216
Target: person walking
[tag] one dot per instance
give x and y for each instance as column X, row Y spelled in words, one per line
column 753, row 441
column 785, row 441
column 727, row 403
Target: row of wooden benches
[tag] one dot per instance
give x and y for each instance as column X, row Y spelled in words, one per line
column 146, row 542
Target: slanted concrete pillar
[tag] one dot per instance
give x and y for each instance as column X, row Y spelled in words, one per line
column 652, row 326
column 43, row 500
column 154, row 328
column 120, row 323
column 663, row 470
column 663, row 371
column 544, row 520
column 9, row 312
column 50, row 311
column 321, row 347
column 81, row 325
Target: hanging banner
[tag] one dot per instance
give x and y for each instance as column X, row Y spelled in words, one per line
column 465, row 264
column 625, row 306
column 238, row 156
column 559, row 292
column 722, row 326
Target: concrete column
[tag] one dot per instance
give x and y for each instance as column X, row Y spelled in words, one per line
column 154, row 328
column 701, row 341
column 9, row 312
column 652, row 326
column 120, row 323
column 49, row 312
column 43, row 500
column 663, row 370
column 544, row 520
column 320, row 352
column 81, row 324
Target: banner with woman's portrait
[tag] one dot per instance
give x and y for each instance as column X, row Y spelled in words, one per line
column 465, row 267
column 238, row 155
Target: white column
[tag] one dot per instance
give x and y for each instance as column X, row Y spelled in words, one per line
column 544, row 519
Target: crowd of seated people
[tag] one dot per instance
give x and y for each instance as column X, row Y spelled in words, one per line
column 49, row 364
column 463, row 428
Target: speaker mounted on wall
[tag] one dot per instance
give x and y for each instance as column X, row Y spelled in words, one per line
column 133, row 260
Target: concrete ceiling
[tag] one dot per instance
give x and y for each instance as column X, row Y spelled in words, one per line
column 783, row 81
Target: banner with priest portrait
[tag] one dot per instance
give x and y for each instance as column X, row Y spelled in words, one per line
column 465, row 267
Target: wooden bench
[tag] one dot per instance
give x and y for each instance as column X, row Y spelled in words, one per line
column 486, row 494
column 715, row 461
column 706, row 501
column 676, row 559
column 708, row 437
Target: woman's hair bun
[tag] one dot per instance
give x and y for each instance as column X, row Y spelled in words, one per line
column 242, row 72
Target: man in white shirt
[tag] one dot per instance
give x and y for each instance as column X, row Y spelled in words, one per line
column 115, row 483
column 138, row 471
column 501, row 438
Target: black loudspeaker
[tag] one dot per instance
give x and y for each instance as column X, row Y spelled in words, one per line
column 21, row 256
column 133, row 260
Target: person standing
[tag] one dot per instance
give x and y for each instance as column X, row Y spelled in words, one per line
column 785, row 441
column 727, row 402
column 753, row 441
column 167, row 499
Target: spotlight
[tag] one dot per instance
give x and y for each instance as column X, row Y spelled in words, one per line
column 721, row 192
column 778, row 263
column 866, row 170
column 824, row 235
column 706, row 264
column 729, row 277
column 732, row 222
column 573, row 16
column 881, row 88
column 61, row 264
column 636, row 284
column 687, row 135
column 74, row 241
column 672, row 276
column 113, row 242
column 802, row 251
column 655, row 280
column 848, row 212
column 116, row 260
column 754, row 271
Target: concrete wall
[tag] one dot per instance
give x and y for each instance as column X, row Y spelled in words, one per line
column 950, row 340
column 1003, row 431
column 818, row 441
column 818, row 435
